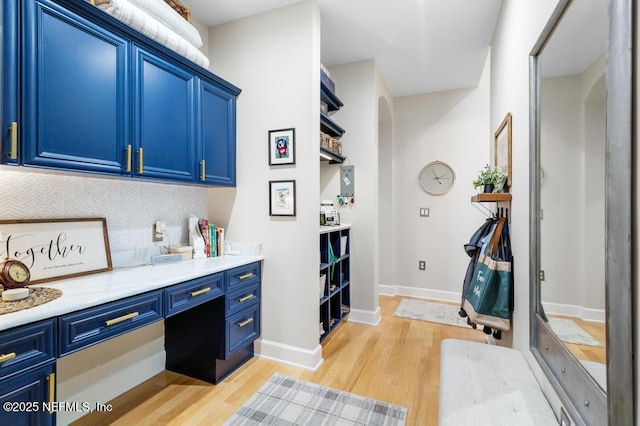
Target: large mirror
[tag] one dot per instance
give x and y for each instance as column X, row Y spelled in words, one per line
column 581, row 208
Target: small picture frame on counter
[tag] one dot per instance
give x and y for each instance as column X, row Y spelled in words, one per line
column 282, row 147
column 282, row 198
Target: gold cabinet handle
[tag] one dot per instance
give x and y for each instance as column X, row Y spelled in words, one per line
column 13, row 154
column 245, row 322
column 140, row 165
column 128, row 167
column 203, row 169
column 122, row 318
column 52, row 390
column 7, row 357
column 245, row 276
column 245, row 298
column 199, row 292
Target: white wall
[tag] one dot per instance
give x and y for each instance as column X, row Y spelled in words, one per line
column 453, row 127
column 275, row 59
column 572, row 229
column 519, row 26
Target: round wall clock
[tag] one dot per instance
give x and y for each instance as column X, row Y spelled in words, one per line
column 437, row 177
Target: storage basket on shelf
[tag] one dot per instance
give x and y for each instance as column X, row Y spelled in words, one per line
column 182, row 10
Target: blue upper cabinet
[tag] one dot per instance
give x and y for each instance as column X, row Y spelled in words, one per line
column 216, row 135
column 76, row 96
column 164, row 122
column 82, row 91
column 9, row 151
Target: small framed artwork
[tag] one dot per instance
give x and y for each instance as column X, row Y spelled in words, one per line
column 502, row 147
column 282, row 198
column 282, row 148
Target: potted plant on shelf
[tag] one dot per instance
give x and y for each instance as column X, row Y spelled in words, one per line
column 489, row 177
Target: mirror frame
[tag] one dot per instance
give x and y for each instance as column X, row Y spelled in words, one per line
column 580, row 395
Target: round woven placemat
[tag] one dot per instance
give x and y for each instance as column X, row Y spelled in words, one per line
column 37, row 296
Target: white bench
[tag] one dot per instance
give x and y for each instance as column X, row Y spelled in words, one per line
column 489, row 385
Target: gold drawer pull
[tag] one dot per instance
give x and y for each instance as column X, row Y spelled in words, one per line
column 14, row 141
column 245, row 298
column 245, row 276
column 52, row 390
column 122, row 318
column 199, row 292
column 7, row 357
column 245, row 322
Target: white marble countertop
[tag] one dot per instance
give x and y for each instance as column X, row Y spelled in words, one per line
column 92, row 290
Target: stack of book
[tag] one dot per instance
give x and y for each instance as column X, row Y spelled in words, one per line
column 213, row 238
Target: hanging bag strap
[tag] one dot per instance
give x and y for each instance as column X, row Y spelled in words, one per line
column 492, row 248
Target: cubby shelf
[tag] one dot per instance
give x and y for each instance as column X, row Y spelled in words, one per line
column 334, row 304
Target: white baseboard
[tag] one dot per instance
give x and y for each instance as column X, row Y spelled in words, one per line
column 576, row 311
column 386, row 290
column 423, row 293
column 365, row 317
column 292, row 355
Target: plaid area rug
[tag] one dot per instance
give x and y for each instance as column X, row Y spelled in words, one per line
column 288, row 401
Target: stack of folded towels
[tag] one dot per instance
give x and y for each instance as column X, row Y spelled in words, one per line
column 158, row 20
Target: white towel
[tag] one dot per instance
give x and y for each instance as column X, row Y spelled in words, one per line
column 163, row 13
column 138, row 19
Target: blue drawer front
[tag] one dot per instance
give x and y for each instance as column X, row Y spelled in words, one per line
column 94, row 325
column 242, row 329
column 184, row 296
column 241, row 298
column 26, row 347
column 243, row 275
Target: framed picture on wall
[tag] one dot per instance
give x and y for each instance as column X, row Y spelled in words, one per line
column 282, row 148
column 502, row 147
column 282, row 198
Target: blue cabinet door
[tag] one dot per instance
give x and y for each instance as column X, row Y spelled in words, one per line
column 217, row 135
column 9, row 118
column 75, row 91
column 24, row 398
column 164, row 123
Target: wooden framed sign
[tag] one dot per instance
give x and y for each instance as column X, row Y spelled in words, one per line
column 54, row 249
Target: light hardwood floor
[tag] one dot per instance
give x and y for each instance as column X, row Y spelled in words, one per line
column 397, row 361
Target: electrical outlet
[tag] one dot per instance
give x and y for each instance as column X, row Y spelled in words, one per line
column 159, row 229
column 542, row 275
column 422, row 265
column 424, row 212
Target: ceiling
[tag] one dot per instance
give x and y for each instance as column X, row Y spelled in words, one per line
column 577, row 41
column 420, row 46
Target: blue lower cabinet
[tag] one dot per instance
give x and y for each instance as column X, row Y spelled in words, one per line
column 211, row 340
column 241, row 329
column 179, row 298
column 94, row 325
column 28, row 398
column 26, row 347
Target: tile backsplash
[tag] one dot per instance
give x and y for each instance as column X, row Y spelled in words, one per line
column 131, row 206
